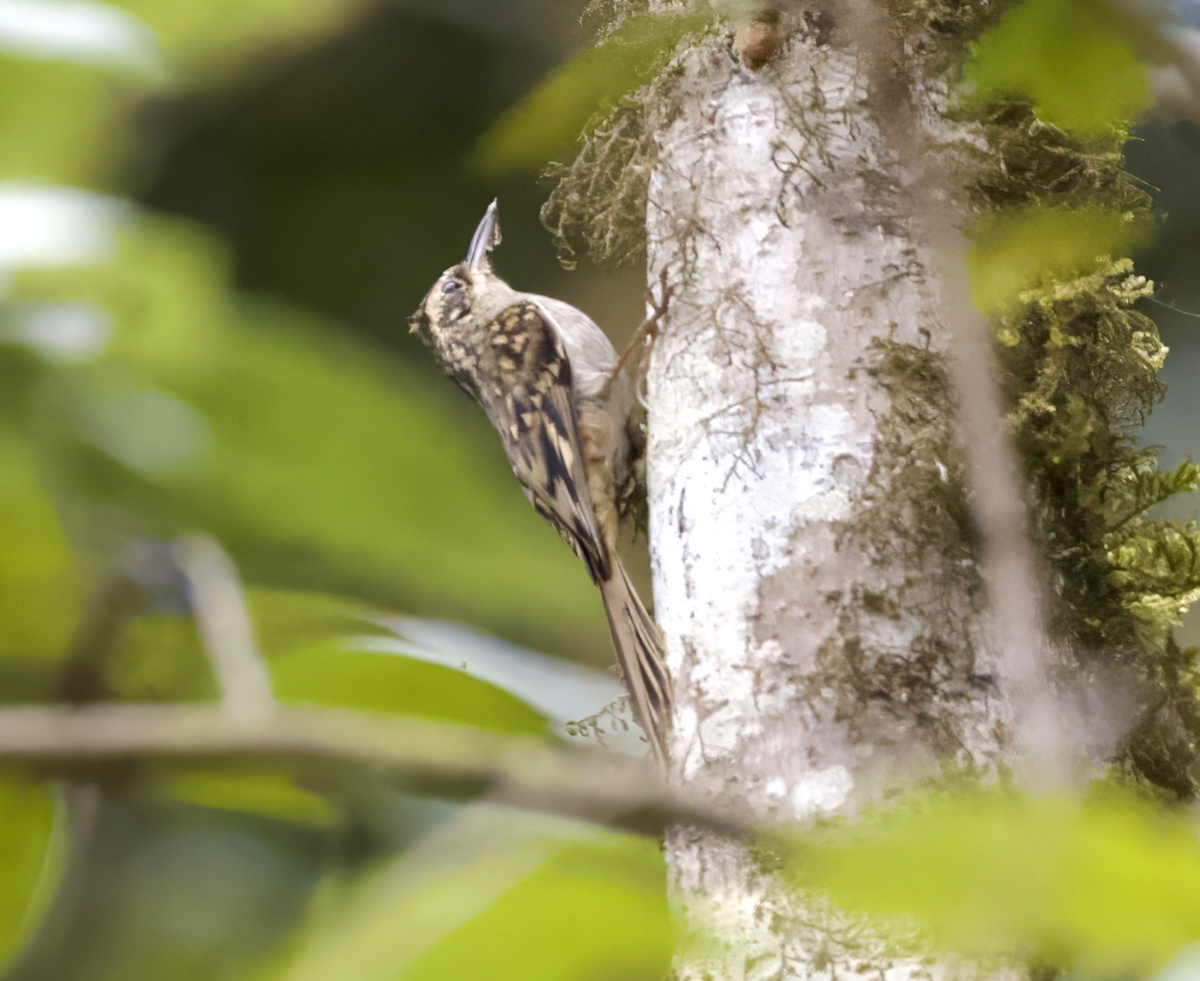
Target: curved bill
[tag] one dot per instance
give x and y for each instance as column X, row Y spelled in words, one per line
column 486, row 238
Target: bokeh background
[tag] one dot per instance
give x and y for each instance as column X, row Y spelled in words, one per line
column 215, row 216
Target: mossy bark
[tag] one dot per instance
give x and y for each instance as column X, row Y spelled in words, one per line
column 814, row 566
column 816, row 548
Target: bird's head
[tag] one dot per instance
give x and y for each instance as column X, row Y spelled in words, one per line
column 460, row 289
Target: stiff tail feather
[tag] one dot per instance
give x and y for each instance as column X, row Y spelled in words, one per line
column 640, row 654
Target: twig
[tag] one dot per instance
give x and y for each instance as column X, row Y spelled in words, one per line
column 1014, row 587
column 226, row 630
column 646, row 331
column 440, row 759
column 1011, row 569
column 145, row 568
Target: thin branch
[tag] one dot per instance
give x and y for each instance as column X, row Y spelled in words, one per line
column 121, row 598
column 226, row 630
column 1007, row 556
column 1011, row 569
column 435, row 758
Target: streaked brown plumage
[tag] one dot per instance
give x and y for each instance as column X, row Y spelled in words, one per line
column 544, row 374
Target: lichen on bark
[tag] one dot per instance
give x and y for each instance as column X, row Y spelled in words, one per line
column 598, row 204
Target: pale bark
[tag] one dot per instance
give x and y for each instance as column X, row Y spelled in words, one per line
column 814, row 575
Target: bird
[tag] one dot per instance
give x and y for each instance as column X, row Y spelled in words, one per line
column 549, row 381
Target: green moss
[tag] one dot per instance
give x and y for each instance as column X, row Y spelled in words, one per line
column 917, row 460
column 1080, row 370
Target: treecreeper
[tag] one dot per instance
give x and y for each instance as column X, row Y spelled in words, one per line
column 553, row 387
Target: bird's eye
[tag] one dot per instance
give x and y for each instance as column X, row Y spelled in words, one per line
column 451, row 285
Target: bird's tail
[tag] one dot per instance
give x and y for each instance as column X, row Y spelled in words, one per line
column 640, row 653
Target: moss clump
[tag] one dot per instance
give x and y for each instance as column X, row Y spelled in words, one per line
column 1080, row 370
column 598, row 205
column 925, row 474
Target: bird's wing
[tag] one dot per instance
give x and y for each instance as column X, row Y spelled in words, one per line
column 535, row 417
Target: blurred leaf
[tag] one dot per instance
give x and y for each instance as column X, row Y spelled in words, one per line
column 273, row 795
column 499, row 894
column 29, row 859
column 308, row 641
column 160, row 660
column 550, row 120
column 1110, row 885
column 285, row 620
column 1185, row 967
column 594, row 910
column 1014, row 251
column 318, row 463
column 67, row 121
column 559, row 689
column 28, row 680
column 59, row 121
column 159, row 656
column 1073, row 59
column 173, row 665
column 91, row 32
column 164, row 890
column 582, row 702
column 333, row 674
column 205, row 38
column 38, row 589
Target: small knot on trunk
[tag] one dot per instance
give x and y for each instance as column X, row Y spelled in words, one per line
column 758, row 38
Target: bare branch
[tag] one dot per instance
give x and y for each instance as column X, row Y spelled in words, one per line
column 436, row 758
column 121, row 598
column 226, row 630
column 1008, row 558
column 999, row 501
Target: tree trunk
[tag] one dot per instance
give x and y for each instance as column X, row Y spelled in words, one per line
column 814, row 568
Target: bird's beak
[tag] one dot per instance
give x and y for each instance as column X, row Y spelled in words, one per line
column 486, row 238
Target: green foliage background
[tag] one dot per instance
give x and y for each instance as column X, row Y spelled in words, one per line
column 347, row 480
column 271, row 185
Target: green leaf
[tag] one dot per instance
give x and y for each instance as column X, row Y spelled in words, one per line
column 39, row 601
column 159, row 656
column 550, row 120
column 203, row 39
column 1015, row 251
column 1073, row 59
column 66, row 121
column 331, row 673
column 1156, row 567
column 1108, row 885
column 564, row 692
column 285, row 621
column 273, row 795
column 58, row 121
column 1125, row 493
column 593, row 910
column 160, row 659
column 499, row 894
column 31, row 860
column 308, row 640
column 171, row 891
